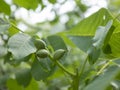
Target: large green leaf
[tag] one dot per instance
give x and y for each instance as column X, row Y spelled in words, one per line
column 42, row 68
column 28, row 4
column 101, row 34
column 3, row 26
column 87, row 28
column 23, row 77
column 21, row 45
column 83, row 42
column 57, row 42
column 103, row 81
column 4, row 7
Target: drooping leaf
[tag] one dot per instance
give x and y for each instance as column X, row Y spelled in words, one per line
column 99, row 41
column 42, row 68
column 28, row 4
column 57, row 42
column 3, row 26
column 101, row 35
column 21, row 45
column 103, row 81
column 4, row 7
column 23, row 77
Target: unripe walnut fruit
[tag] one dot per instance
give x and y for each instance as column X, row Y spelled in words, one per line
column 58, row 54
column 43, row 53
column 40, row 44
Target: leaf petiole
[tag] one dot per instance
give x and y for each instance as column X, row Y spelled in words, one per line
column 61, row 66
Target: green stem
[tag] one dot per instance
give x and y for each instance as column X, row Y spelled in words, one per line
column 83, row 67
column 76, row 78
column 64, row 69
column 61, row 66
column 101, row 70
column 16, row 27
column 75, row 83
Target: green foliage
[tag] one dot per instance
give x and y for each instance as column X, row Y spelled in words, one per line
column 13, row 30
column 82, row 31
column 27, row 3
column 103, row 16
column 52, row 1
column 101, row 35
column 82, row 42
column 3, row 26
column 33, row 85
column 23, row 77
column 3, row 51
column 4, row 7
column 21, row 45
column 93, row 54
column 56, row 42
column 104, row 80
column 99, row 42
column 13, row 85
column 28, row 62
column 42, row 68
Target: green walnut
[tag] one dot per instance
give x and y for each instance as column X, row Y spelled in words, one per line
column 43, row 53
column 58, row 54
column 40, row 44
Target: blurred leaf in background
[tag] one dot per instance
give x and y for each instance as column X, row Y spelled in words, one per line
column 4, row 7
